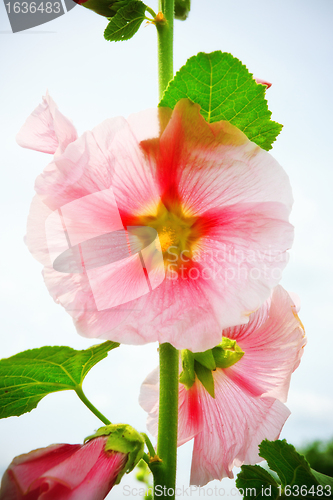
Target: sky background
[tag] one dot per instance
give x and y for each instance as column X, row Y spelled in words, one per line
column 288, row 43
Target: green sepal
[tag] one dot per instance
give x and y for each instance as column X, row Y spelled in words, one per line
column 227, row 353
column 126, row 22
column 187, row 376
column 122, row 438
column 182, row 9
column 206, row 359
column 206, row 377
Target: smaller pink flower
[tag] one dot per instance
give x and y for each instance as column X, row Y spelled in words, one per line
column 63, row 472
column 248, row 404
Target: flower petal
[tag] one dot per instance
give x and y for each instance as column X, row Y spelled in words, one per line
column 273, row 344
column 27, row 468
column 47, row 130
column 234, row 425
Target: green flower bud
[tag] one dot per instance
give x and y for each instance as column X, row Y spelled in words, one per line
column 182, row 9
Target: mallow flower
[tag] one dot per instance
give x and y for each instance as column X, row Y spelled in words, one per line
column 63, row 472
column 161, row 227
column 231, row 397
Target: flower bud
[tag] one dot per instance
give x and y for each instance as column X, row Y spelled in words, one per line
column 106, row 8
column 182, row 9
column 68, row 471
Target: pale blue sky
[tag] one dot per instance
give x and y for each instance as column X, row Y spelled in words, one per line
column 288, row 43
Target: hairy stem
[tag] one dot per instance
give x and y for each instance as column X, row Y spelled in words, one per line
column 165, row 464
column 165, row 44
column 165, row 471
column 91, row 407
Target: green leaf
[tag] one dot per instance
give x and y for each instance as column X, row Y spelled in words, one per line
column 30, row 375
column 323, row 479
column 256, row 483
column 225, row 90
column 291, row 467
column 297, row 479
column 206, row 377
column 126, row 22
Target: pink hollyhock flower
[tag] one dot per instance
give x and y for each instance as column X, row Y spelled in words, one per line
column 63, row 472
column 160, row 228
column 248, row 405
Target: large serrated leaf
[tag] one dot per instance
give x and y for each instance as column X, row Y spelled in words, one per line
column 30, row 375
column 298, row 480
column 126, row 22
column 256, row 483
column 291, row 467
column 225, row 90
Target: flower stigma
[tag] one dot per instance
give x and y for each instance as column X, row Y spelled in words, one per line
column 178, row 234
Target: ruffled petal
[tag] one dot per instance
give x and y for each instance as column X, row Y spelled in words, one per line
column 47, row 130
column 152, row 316
column 234, row 425
column 273, row 344
column 85, row 167
column 214, row 165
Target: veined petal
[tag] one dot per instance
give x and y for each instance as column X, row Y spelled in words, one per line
column 234, row 425
column 46, row 129
column 215, row 165
column 85, row 167
column 28, row 467
column 73, row 470
column 242, row 258
column 273, row 344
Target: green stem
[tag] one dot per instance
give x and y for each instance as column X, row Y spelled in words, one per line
column 151, row 12
column 149, row 445
column 165, row 44
column 165, row 471
column 91, row 407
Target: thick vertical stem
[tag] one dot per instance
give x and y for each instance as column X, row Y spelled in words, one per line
column 165, row 472
column 165, row 44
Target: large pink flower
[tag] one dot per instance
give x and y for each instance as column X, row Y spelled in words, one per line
column 247, row 407
column 63, row 472
column 160, row 228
